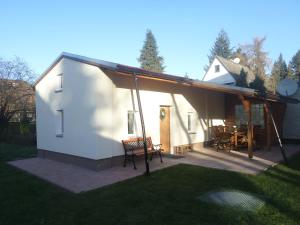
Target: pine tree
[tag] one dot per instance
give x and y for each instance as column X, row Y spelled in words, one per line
column 258, row 84
column 242, row 79
column 149, row 58
column 279, row 71
column 295, row 66
column 221, row 48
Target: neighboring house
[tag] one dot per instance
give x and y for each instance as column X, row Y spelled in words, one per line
column 226, row 71
column 85, row 107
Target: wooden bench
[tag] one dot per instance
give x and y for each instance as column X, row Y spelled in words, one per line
column 135, row 147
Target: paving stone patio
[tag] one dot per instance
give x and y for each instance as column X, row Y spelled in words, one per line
column 77, row 179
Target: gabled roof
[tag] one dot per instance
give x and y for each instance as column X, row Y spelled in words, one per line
column 235, row 68
column 120, row 69
column 78, row 58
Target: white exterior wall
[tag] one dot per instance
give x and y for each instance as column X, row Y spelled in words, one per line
column 291, row 122
column 95, row 108
column 221, row 77
column 86, row 101
column 192, row 100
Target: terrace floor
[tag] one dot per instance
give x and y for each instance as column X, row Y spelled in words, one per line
column 77, row 179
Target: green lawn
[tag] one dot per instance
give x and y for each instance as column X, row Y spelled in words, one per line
column 166, row 197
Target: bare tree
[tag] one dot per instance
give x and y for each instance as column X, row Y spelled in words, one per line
column 257, row 60
column 16, row 91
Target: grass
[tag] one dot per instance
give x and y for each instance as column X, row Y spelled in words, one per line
column 166, row 197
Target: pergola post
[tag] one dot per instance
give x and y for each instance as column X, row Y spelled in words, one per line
column 142, row 123
column 269, row 127
column 247, row 107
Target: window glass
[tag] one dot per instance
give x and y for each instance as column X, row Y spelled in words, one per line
column 59, row 82
column 217, row 68
column 59, row 122
column 191, row 122
column 130, row 122
column 240, row 115
column 257, row 115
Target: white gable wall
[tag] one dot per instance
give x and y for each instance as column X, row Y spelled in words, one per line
column 95, row 111
column 221, row 77
column 87, row 107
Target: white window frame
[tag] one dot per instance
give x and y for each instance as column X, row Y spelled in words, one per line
column 59, row 82
column 59, row 123
column 191, row 126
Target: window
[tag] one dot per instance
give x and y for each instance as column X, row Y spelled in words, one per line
column 240, row 115
column 257, row 115
column 59, row 123
column 59, row 83
column 217, row 68
column 130, row 122
column 191, row 122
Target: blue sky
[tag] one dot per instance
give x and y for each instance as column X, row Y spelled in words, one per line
column 39, row 31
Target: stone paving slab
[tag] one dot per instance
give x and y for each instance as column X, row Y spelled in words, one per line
column 238, row 161
column 77, row 179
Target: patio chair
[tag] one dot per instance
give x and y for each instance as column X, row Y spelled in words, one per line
column 242, row 137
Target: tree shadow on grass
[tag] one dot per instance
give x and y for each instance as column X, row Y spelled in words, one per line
column 283, row 175
column 280, row 185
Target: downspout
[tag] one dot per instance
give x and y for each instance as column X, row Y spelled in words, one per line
column 142, row 123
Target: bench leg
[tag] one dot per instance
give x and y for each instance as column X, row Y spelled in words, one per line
column 218, row 147
column 160, row 156
column 132, row 157
column 125, row 158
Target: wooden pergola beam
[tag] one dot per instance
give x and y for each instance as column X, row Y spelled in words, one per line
column 247, row 107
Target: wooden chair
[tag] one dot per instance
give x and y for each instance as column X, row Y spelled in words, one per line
column 242, row 138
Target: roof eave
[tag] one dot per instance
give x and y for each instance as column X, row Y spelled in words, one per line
column 145, row 73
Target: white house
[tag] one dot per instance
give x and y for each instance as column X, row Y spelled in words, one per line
column 226, row 71
column 291, row 123
column 85, row 107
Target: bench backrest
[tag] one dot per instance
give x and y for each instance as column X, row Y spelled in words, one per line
column 136, row 143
